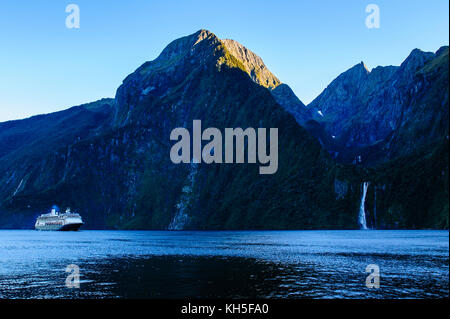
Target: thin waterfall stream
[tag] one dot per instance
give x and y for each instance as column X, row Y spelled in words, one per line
column 362, row 212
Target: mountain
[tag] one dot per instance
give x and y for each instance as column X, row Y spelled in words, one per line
column 388, row 112
column 394, row 122
column 44, row 133
column 119, row 173
column 284, row 95
column 110, row 160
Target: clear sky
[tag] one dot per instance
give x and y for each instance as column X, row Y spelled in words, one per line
column 45, row 66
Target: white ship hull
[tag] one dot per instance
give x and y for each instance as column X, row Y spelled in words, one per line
column 68, row 227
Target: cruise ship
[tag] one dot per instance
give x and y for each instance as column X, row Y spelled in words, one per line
column 56, row 221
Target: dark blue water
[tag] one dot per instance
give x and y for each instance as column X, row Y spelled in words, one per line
column 242, row 264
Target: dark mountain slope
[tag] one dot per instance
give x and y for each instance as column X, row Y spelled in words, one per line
column 284, row 95
column 54, row 129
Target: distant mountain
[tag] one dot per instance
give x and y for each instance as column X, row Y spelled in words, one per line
column 110, row 161
column 391, row 111
column 395, row 122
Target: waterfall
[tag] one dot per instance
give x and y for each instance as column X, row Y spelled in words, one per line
column 182, row 218
column 362, row 211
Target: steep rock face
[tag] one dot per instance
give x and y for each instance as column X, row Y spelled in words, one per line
column 123, row 177
column 425, row 123
column 340, row 99
column 173, row 66
column 365, row 111
column 253, row 64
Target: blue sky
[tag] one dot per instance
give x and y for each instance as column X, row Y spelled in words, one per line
column 46, row 67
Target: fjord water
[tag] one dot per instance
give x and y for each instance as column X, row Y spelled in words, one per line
column 233, row 264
